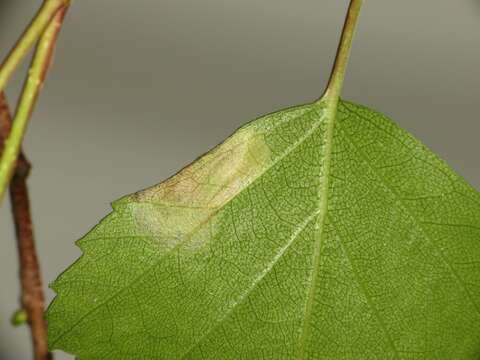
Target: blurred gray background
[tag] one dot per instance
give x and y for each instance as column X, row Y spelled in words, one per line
column 140, row 88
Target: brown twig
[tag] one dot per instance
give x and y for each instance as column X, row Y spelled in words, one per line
column 17, row 167
column 32, row 298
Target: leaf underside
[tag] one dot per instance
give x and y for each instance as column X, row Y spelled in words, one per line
column 302, row 236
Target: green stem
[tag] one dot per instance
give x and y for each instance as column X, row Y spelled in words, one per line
column 28, row 38
column 33, row 84
column 334, row 87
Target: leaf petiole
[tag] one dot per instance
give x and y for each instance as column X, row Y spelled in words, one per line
column 29, row 37
column 335, row 83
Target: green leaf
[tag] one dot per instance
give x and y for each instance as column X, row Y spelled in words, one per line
column 305, row 235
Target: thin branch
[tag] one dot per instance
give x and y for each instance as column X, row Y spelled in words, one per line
column 35, row 29
column 46, row 25
column 33, row 84
column 32, row 299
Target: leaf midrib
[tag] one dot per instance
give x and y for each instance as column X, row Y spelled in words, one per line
column 331, row 113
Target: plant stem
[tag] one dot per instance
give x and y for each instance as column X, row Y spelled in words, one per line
column 33, row 84
column 32, row 299
column 28, row 38
column 335, row 83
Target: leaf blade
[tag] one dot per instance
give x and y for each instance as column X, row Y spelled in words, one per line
column 245, row 276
